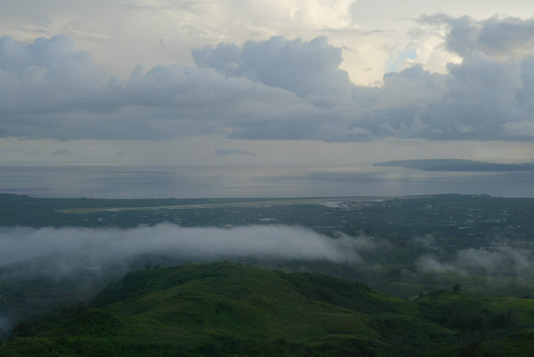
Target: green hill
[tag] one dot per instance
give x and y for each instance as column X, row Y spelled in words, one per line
column 231, row 309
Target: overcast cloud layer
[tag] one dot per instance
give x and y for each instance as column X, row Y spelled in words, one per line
column 277, row 88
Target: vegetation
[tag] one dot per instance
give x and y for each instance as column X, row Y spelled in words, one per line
column 232, row 309
column 229, row 309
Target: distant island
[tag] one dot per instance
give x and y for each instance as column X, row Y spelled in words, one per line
column 457, row 165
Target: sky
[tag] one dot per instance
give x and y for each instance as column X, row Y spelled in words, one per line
column 324, row 84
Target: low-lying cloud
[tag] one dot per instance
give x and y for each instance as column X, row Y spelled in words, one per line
column 93, row 247
column 490, row 261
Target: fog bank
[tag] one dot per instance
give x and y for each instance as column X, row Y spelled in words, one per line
column 499, row 259
column 92, row 247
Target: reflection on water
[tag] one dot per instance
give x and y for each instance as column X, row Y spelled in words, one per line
column 193, row 182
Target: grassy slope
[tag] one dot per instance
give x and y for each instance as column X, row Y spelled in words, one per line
column 232, row 309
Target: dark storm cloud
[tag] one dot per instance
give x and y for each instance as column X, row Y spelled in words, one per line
column 276, row 89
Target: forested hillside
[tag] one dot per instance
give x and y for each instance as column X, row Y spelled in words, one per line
column 233, row 309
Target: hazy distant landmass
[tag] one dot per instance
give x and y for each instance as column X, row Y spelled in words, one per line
column 457, row 165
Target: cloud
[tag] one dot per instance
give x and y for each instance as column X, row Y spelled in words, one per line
column 501, row 259
column 70, row 102
column 52, row 72
column 164, row 102
column 62, row 152
column 69, row 248
column 123, row 34
column 230, row 152
column 500, row 37
column 304, row 68
column 56, row 60
column 275, row 89
column 425, row 242
column 520, row 129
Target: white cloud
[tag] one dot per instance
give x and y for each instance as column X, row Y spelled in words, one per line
column 310, row 68
column 80, row 247
column 50, row 72
column 273, row 89
column 501, row 259
column 122, row 34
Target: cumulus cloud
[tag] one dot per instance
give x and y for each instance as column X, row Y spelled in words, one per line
column 70, row 248
column 310, row 68
column 500, row 37
column 48, row 74
column 276, row 89
column 55, row 59
column 165, row 101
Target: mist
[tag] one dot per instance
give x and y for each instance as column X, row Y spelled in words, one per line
column 70, row 248
column 498, row 260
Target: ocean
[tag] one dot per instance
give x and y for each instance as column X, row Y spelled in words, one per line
column 218, row 182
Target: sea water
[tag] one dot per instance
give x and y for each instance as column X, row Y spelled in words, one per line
column 215, row 182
